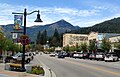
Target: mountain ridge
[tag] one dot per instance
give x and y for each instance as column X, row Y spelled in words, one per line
column 108, row 26
column 61, row 25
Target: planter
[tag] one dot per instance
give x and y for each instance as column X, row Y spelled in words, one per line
column 37, row 70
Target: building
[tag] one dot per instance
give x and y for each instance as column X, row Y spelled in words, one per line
column 114, row 40
column 77, row 39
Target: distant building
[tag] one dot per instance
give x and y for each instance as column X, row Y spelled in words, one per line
column 77, row 39
column 74, row 39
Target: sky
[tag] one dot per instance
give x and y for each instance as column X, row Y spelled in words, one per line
column 82, row 13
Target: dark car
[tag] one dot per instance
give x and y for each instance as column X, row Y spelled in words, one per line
column 8, row 59
column 92, row 56
column 86, row 55
column 66, row 54
column 61, row 55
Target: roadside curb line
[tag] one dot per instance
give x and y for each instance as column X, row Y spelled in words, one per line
column 48, row 71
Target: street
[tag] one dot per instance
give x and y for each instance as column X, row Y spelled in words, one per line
column 70, row 67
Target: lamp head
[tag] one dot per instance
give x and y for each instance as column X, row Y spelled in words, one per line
column 38, row 18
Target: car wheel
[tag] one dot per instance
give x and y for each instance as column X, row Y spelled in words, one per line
column 32, row 57
column 114, row 60
column 28, row 61
column 105, row 60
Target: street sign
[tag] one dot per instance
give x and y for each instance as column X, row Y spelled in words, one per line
column 14, row 36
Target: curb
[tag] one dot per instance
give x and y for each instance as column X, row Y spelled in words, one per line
column 48, row 71
column 6, row 73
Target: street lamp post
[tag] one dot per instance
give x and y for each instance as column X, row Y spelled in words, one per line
column 24, row 33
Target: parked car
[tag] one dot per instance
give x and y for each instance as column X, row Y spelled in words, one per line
column 86, row 55
column 92, row 56
column 52, row 55
column 111, row 57
column 18, row 57
column 8, row 59
column 78, row 55
column 31, row 55
column 61, row 55
column 34, row 53
column 1, row 57
column 99, row 56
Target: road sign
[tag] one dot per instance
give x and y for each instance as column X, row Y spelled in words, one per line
column 14, row 36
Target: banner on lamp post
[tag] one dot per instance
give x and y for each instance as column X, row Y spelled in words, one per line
column 18, row 22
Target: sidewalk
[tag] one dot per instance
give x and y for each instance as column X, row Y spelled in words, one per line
column 6, row 73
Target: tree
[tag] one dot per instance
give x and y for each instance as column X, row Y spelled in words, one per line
column 39, row 47
column 92, row 45
column 106, row 45
column 66, row 48
column 28, row 47
column 2, row 41
column 55, row 41
column 2, row 45
column 77, row 48
column 50, row 50
column 72, row 48
column 117, row 45
column 38, row 38
column 83, row 46
column 43, row 38
column 10, row 46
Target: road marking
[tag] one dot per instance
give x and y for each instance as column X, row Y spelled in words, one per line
column 96, row 68
column 88, row 66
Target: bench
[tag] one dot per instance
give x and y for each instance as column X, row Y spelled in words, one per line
column 15, row 67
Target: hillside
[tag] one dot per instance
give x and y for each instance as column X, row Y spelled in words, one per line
column 110, row 26
column 61, row 26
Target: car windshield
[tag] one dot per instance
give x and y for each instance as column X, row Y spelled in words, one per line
column 18, row 54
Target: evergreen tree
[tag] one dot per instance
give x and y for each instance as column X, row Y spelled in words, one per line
column 56, row 34
column 55, row 41
column 43, row 38
column 38, row 38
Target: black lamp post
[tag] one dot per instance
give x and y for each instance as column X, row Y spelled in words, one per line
column 24, row 33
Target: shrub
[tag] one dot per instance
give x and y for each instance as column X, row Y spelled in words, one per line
column 37, row 70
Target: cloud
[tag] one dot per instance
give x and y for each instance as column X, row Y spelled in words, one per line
column 80, row 17
column 70, row 11
column 48, row 14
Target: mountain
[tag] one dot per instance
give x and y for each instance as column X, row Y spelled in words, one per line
column 62, row 26
column 109, row 26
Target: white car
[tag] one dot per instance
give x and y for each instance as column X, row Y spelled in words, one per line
column 111, row 57
column 78, row 55
column 100, row 56
column 18, row 57
column 52, row 55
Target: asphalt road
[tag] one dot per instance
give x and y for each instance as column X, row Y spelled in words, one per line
column 70, row 67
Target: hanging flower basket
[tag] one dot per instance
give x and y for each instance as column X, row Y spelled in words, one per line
column 24, row 39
